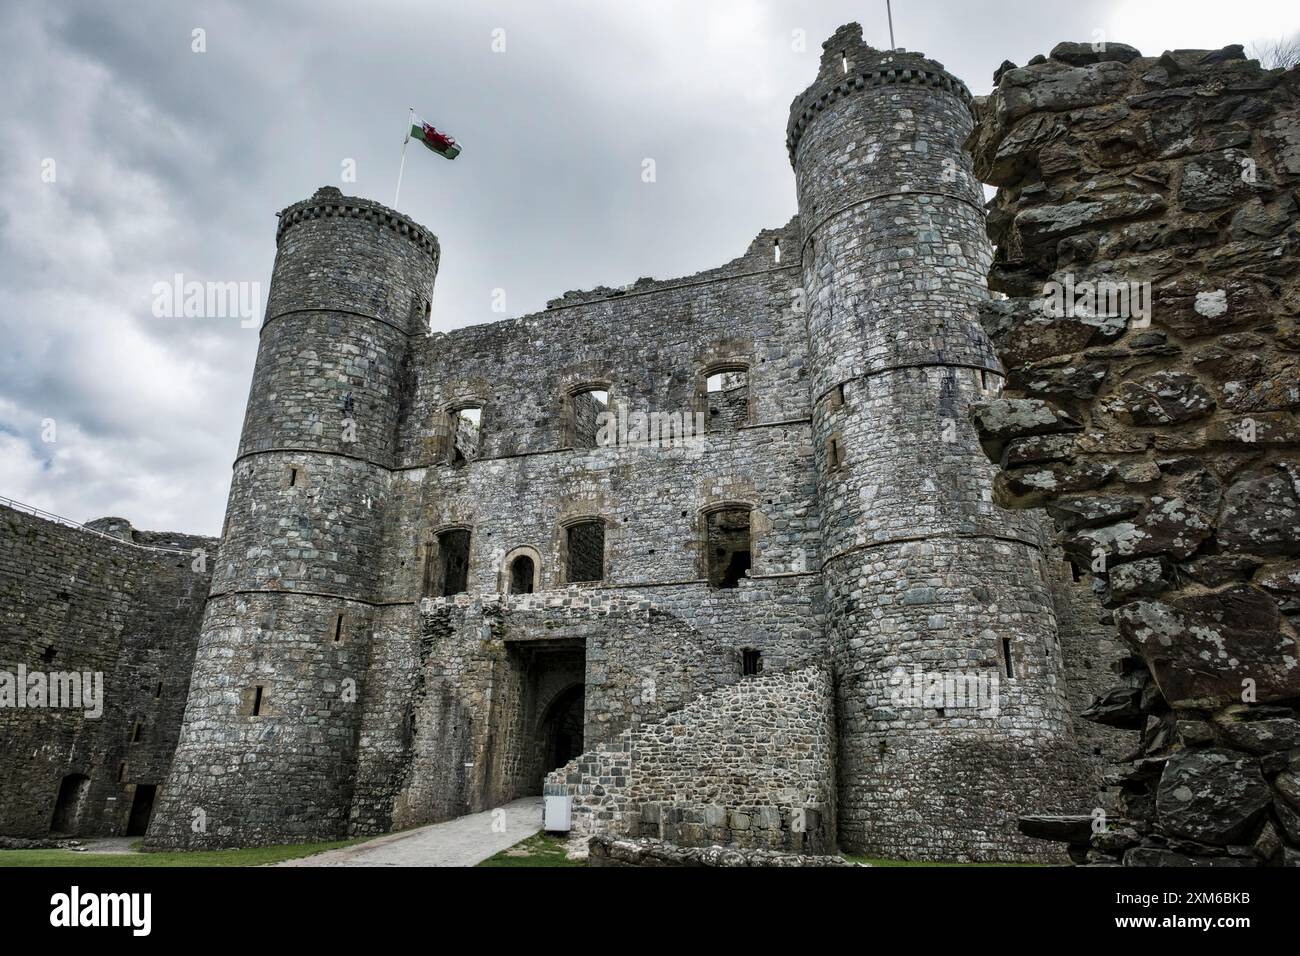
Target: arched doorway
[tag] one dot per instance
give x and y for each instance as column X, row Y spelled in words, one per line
column 561, row 729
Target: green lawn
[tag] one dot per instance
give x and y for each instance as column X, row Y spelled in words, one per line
column 254, row 856
column 540, row 849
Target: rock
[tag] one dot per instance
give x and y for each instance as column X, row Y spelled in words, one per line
column 1282, row 578
column 1214, row 180
column 1205, row 650
column 1195, row 732
column 1022, row 332
column 1289, row 817
column 1269, row 842
column 1161, row 399
column 1078, row 54
column 1048, row 223
column 1257, row 735
column 606, row 850
column 1116, row 840
column 1168, row 527
column 1261, row 514
column 1121, row 706
column 1089, row 511
column 1211, row 795
column 1144, row 578
column 1156, row 856
column 1030, row 487
column 1076, row 829
column 1080, row 380
column 1288, row 784
column 1038, row 448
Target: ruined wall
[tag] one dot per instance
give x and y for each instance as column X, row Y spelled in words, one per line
column 462, row 736
column 1163, row 441
column 75, row 601
column 750, row 765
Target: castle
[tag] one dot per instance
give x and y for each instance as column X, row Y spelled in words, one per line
column 457, row 568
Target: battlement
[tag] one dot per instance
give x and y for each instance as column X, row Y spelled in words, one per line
column 849, row 65
column 329, row 201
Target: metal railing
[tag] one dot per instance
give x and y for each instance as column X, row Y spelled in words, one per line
column 68, row 522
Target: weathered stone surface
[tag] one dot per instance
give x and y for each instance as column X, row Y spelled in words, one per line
column 1180, row 172
column 105, row 599
column 609, row 851
column 1071, row 829
column 1161, row 399
column 1201, row 647
column 1211, row 795
column 1261, row 513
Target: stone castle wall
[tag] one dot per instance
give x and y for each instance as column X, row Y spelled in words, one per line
column 75, row 601
column 923, row 573
column 750, row 765
column 1164, row 443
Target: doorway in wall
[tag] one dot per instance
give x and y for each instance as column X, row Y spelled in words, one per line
column 67, row 806
column 141, row 809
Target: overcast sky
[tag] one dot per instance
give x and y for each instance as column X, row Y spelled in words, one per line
column 166, row 161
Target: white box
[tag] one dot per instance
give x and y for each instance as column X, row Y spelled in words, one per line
column 558, row 816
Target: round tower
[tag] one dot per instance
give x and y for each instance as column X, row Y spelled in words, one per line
column 951, row 703
column 267, row 752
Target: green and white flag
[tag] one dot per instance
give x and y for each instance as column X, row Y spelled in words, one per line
column 440, row 143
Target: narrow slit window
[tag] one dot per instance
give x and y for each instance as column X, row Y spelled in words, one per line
column 776, row 251
column 585, row 544
column 121, row 772
column 844, row 62
column 1006, row 657
column 257, row 701
column 136, row 731
column 728, row 397
column 338, row 628
column 834, row 454
column 728, row 546
column 157, row 691
column 293, row 477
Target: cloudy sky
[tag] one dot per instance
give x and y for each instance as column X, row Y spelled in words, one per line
column 129, row 157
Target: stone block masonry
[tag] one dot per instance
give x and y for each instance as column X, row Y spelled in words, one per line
column 750, row 765
column 1160, row 430
column 111, row 603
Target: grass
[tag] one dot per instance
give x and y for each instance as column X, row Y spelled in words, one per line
column 540, row 849
column 252, row 856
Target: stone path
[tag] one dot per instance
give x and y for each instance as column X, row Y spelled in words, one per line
column 464, row 841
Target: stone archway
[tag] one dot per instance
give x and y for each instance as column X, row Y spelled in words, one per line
column 560, row 730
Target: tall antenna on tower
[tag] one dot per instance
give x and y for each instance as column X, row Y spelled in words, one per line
column 890, row 13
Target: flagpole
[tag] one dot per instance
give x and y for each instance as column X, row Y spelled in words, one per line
column 402, row 166
column 890, row 13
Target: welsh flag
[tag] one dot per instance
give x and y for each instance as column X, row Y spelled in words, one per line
column 440, row 143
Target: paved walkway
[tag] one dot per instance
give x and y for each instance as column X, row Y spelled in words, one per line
column 464, row 841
